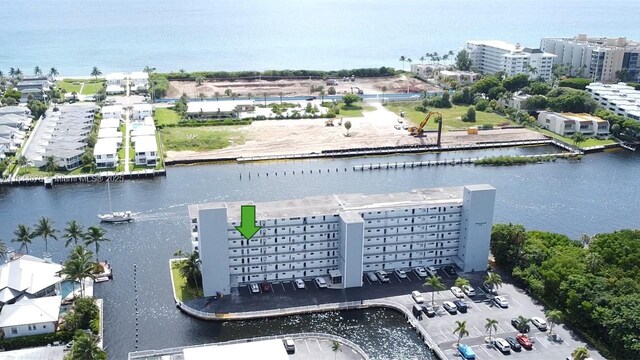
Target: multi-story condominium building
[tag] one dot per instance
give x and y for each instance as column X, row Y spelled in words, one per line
column 492, row 56
column 567, row 124
column 620, row 98
column 343, row 236
column 597, row 58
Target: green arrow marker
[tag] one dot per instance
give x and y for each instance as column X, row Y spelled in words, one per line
column 248, row 226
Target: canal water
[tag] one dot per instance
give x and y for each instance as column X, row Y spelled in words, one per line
column 598, row 194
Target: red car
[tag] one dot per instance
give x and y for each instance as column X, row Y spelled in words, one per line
column 524, row 341
column 265, row 286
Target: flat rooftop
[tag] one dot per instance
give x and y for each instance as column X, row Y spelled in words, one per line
column 337, row 203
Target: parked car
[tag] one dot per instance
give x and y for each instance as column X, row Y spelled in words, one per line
column 254, row 288
column 467, row 289
column 405, row 127
column 171, row 103
column 491, row 289
column 450, row 270
column 372, row 277
column 450, row 307
column 310, row 98
column 432, row 271
column 320, row 282
column 289, row 345
column 513, row 343
column 461, row 306
column 457, row 292
column 300, row 284
column 417, row 311
column 539, row 323
column 501, row 301
column 502, row 345
column 400, row 273
column 429, row 311
column 516, row 324
column 466, row 352
column 382, row 275
column 420, row 271
column 397, row 126
column 524, row 341
column 265, row 286
column 417, row 297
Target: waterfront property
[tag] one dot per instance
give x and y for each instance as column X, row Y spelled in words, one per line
column 115, row 83
column 105, row 153
column 620, row 98
column 493, row 56
column 567, row 124
column 33, row 87
column 598, row 58
column 141, row 111
column 28, row 277
column 219, row 109
column 460, row 77
column 30, row 317
column 138, row 81
column 343, row 236
column 146, row 150
column 112, row 111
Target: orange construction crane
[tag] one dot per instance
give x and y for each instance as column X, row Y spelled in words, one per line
column 419, row 130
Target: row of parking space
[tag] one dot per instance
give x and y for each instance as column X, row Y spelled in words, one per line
column 542, row 348
column 443, row 335
column 284, row 286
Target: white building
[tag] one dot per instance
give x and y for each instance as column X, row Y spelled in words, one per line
column 30, row 317
column 28, row 276
column 461, row 77
column 492, row 56
column 567, row 124
column 141, row 111
column 146, row 150
column 220, row 109
column 596, row 58
column 517, row 101
column 115, row 83
column 110, row 133
column 426, row 71
column 344, row 236
column 110, row 123
column 105, row 153
column 139, row 81
column 112, row 111
column 620, row 98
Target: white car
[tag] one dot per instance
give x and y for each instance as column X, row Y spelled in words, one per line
column 501, row 301
column 467, row 289
column 417, row 297
column 405, row 127
column 539, row 323
column 320, row 282
column 400, row 273
column 502, row 345
column 457, row 292
column 432, row 271
column 397, row 126
column 254, row 288
column 300, row 284
column 420, row 271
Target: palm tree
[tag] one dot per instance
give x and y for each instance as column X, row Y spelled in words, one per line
column 79, row 267
column 490, row 326
column 149, row 69
column 95, row 235
column 461, row 329
column 409, row 61
column 22, row 160
column 44, row 228
column 189, row 268
column 1, row 75
column 403, row 59
column 96, row 72
column 422, row 59
column 523, row 323
column 18, row 72
column 265, row 98
column 578, row 138
column 435, row 283
column 50, row 165
column 73, row 232
column 435, row 57
column 3, row 250
column 85, row 347
column 493, row 279
column 23, row 235
column 451, row 54
column 553, row 317
column 53, row 72
column 322, row 93
column 12, row 72
column 460, row 282
column 445, row 57
column 384, row 90
column 37, row 70
column 580, row 353
column 335, row 347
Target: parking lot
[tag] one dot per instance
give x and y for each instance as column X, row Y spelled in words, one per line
column 321, row 349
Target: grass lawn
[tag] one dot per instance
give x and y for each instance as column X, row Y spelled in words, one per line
column 354, row 110
column 73, row 85
column 451, row 117
column 91, row 87
column 182, row 290
column 37, row 172
column 201, row 138
column 166, row 116
column 588, row 143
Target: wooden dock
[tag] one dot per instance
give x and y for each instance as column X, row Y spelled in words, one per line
column 50, row 181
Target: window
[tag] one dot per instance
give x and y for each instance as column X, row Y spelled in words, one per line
column 14, row 330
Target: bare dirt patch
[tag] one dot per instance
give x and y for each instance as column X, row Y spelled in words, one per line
column 257, row 88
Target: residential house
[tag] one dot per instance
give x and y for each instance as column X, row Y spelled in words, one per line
column 29, row 277
column 112, row 111
column 115, row 83
column 460, row 77
column 146, row 150
column 427, row 71
column 141, row 111
column 18, row 110
column 110, row 123
column 567, row 124
column 517, row 101
column 30, row 317
column 105, row 153
column 219, row 109
column 139, row 81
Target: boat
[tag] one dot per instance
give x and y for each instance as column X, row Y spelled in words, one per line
column 115, row 216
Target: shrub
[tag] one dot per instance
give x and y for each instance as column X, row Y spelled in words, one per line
column 575, row 83
column 421, row 108
column 331, row 90
column 36, row 340
column 482, row 105
column 486, row 127
column 470, row 116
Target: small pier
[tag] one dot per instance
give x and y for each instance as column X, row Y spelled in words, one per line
column 83, row 178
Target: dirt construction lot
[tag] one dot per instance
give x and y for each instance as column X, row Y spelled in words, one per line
column 395, row 84
column 374, row 129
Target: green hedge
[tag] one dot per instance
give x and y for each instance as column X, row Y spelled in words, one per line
column 575, row 83
column 520, row 160
column 35, row 340
column 269, row 74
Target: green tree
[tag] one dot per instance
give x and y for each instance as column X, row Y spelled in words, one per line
column 490, row 326
column 554, row 317
column 50, row 165
column 538, row 88
column 22, row 160
column 536, row 102
column 95, row 72
column 44, row 228
column 615, row 129
column 507, row 241
column 347, row 125
column 37, row 108
column 95, row 235
column 73, row 232
column 435, row 283
column 403, row 59
column 335, row 347
column 516, row 82
column 85, row 347
column 53, row 72
column 460, row 281
column 384, row 90
column 23, row 235
column 200, row 80
column 485, row 84
column 37, row 71
column 578, row 138
column 189, row 269
column 350, row 99
column 228, row 92
column 331, row 90
column 463, row 61
column 580, row 353
column 470, row 116
column 3, row 250
column 523, row 324
column 493, row 279
column 149, row 70
column 575, row 83
column 461, row 330
column 79, row 267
